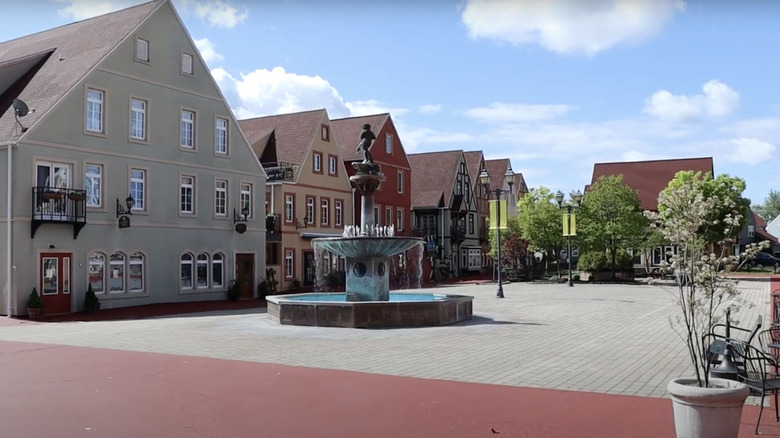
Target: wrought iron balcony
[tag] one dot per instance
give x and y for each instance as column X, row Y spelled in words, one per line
column 273, row 228
column 280, row 171
column 52, row 205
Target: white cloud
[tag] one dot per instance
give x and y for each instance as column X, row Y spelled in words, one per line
column 217, row 13
column 749, row 151
column 568, row 26
column 634, row 155
column 369, row 107
column 718, row 100
column 206, row 49
column 264, row 92
column 429, row 109
column 499, row 112
column 83, row 9
column 413, row 138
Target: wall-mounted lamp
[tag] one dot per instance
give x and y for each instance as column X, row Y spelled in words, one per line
column 121, row 211
column 304, row 224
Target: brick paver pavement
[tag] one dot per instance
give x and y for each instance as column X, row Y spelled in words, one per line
column 613, row 339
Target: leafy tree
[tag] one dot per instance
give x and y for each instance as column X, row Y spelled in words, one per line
column 610, row 218
column 726, row 193
column 770, row 209
column 540, row 222
column 514, row 248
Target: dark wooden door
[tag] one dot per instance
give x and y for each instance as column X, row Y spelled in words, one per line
column 308, row 268
column 245, row 274
column 55, row 282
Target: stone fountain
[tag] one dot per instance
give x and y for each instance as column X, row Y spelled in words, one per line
column 367, row 249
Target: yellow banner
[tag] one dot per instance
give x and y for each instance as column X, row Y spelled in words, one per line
column 569, row 224
column 494, row 214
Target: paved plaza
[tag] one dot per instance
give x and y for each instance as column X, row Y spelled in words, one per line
column 546, row 361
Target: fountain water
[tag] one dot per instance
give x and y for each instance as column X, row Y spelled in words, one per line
column 369, row 250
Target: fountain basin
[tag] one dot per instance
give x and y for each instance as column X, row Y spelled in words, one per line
column 365, row 246
column 402, row 310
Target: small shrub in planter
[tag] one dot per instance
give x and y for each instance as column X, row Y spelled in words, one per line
column 234, row 291
column 35, row 307
column 262, row 290
column 296, row 283
column 91, row 301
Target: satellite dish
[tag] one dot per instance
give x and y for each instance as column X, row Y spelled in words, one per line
column 20, row 108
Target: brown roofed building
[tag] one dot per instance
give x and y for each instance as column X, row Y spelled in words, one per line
column 103, row 195
column 649, row 178
column 497, row 169
column 308, row 193
column 393, row 200
column 445, row 209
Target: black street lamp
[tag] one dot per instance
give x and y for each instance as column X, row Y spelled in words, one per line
column 129, row 202
column 569, row 222
column 509, row 178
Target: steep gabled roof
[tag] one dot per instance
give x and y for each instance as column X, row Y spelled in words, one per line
column 63, row 56
column 347, row 133
column 433, row 176
column 474, row 161
column 649, row 178
column 497, row 169
column 294, row 133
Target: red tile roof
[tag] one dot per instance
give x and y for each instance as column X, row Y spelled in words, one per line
column 347, row 133
column 433, row 176
column 294, row 133
column 73, row 51
column 649, row 178
column 760, row 222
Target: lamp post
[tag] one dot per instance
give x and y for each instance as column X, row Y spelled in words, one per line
column 569, row 223
column 509, row 178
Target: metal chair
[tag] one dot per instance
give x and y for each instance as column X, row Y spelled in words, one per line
column 753, row 365
column 721, row 349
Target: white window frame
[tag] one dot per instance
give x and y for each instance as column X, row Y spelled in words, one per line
column 751, row 230
column 220, row 197
column 186, row 259
column 376, row 215
column 338, row 220
column 289, row 208
column 96, row 261
column 119, row 265
column 138, row 117
column 310, row 210
column 187, row 194
column 388, row 216
column 325, row 133
column 245, row 198
column 138, row 186
column 202, row 260
column 136, row 259
column 317, row 162
column 218, row 266
column 324, row 211
column 186, row 63
column 389, row 144
column 93, row 184
column 94, row 111
column 187, row 129
column 141, row 50
column 399, row 183
column 289, row 263
column 332, row 170
column 399, row 219
column 221, row 136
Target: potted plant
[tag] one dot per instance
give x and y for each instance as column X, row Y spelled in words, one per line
column 262, row 289
column 91, row 301
column 703, row 406
column 234, row 291
column 35, row 307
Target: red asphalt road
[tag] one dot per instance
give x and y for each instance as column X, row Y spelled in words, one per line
column 58, row 391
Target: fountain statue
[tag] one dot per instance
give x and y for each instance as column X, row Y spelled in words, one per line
column 368, row 249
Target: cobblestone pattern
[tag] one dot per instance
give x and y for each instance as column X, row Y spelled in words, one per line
column 612, row 339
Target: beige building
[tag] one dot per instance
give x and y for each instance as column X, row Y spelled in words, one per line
column 131, row 175
column 308, row 194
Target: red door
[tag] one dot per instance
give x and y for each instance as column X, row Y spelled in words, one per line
column 55, row 282
column 245, row 273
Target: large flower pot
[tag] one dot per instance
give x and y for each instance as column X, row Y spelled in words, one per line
column 713, row 412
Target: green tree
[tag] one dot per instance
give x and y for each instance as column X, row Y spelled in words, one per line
column 770, row 209
column 610, row 218
column 726, row 193
column 540, row 222
column 514, row 247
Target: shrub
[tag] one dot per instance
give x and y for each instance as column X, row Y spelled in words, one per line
column 34, row 301
column 592, row 261
column 623, row 260
column 91, row 301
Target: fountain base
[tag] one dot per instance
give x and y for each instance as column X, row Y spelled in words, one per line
column 403, row 310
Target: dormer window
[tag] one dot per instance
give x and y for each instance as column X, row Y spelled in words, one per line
column 141, row 50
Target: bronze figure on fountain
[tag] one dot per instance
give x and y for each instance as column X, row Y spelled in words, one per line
column 367, row 167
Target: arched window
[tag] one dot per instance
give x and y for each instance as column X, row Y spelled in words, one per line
column 116, row 273
column 186, row 269
column 96, row 272
column 136, row 268
column 203, row 271
column 217, row 271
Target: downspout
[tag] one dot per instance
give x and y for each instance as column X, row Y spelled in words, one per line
column 9, row 265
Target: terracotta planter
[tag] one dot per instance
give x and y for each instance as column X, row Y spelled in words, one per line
column 707, row 412
column 35, row 312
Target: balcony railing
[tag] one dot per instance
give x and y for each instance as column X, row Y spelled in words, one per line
column 273, row 227
column 457, row 234
column 59, row 206
column 280, row 171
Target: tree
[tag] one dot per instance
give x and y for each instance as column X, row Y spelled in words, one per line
column 770, row 209
column 610, row 218
column 514, row 248
column 726, row 192
column 540, row 222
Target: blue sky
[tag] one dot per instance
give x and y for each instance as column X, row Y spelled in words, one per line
column 554, row 85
